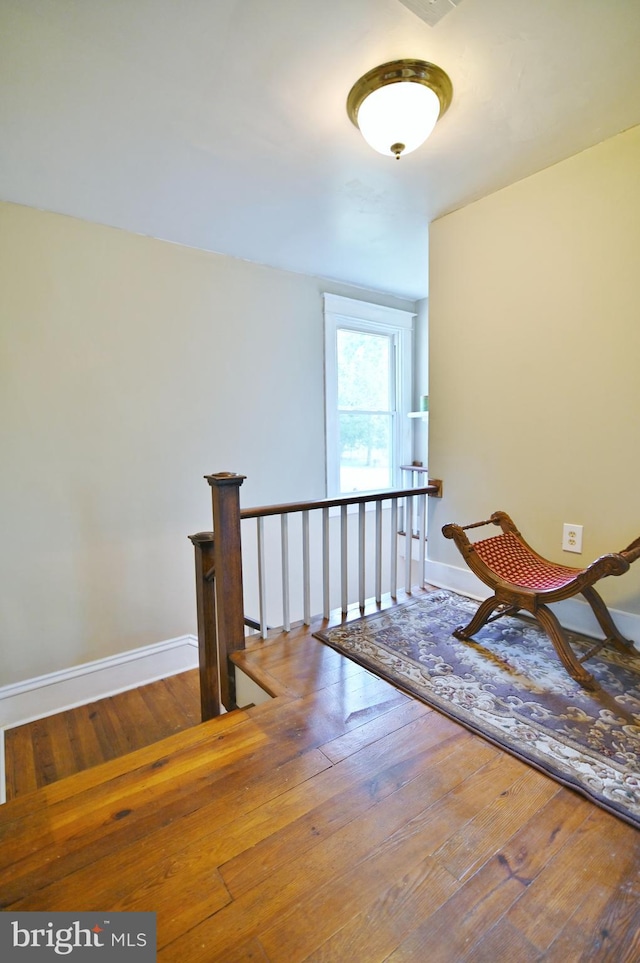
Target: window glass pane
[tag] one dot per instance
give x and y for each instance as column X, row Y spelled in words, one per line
column 365, row 451
column 368, row 369
column 363, row 370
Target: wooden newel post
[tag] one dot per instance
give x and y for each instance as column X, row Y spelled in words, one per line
column 227, row 560
column 207, row 628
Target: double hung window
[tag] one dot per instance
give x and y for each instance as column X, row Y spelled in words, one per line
column 368, row 390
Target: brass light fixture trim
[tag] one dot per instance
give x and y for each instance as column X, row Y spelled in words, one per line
column 400, row 71
column 396, row 71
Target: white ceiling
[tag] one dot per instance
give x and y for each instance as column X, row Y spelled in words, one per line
column 221, row 124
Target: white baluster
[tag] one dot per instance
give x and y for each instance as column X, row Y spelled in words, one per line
column 306, row 579
column 361, row 554
column 379, row 552
column 422, row 535
column 284, row 539
column 393, row 574
column 408, row 529
column 344, row 572
column 326, row 583
column 262, row 589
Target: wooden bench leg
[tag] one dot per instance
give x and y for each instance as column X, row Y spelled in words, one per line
column 482, row 616
column 554, row 630
column 607, row 624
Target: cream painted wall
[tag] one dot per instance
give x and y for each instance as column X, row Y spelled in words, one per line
column 534, row 345
column 130, row 368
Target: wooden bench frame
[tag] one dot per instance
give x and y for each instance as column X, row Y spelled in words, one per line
column 511, row 596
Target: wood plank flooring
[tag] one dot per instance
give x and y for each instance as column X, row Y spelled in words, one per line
column 41, row 752
column 341, row 821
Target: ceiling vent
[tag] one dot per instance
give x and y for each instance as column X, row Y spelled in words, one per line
column 431, row 11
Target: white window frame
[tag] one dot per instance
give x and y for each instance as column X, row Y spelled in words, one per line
column 349, row 313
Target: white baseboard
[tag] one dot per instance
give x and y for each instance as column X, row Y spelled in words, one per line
column 573, row 613
column 46, row 695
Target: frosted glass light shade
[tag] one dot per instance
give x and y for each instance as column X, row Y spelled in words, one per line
column 397, row 104
column 400, row 115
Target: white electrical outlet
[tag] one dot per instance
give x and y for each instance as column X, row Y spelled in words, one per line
column 572, row 538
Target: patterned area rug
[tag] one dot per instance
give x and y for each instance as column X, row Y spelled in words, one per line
column 513, row 690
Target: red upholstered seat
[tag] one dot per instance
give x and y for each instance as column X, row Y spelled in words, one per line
column 514, row 562
column 523, row 580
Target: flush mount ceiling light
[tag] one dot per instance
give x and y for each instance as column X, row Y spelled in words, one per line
column 396, row 105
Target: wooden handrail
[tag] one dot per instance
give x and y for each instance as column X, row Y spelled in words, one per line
column 434, row 488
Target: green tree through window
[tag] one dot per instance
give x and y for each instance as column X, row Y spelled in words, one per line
column 365, row 409
column 367, row 394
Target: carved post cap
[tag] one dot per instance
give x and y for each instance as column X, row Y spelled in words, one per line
column 225, row 478
column 201, row 538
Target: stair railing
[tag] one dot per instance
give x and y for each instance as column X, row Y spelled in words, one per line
column 219, row 568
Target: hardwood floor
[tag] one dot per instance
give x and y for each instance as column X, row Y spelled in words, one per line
column 342, row 821
column 41, row 752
